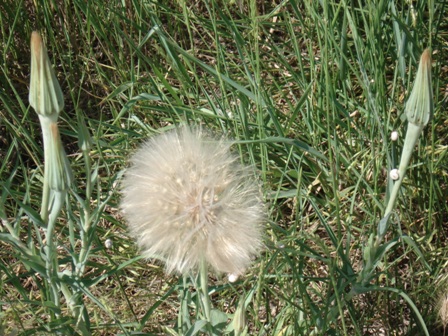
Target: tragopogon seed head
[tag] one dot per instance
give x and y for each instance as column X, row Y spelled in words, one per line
column 187, row 198
column 443, row 309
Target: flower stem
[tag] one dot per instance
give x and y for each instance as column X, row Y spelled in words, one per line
column 206, row 306
column 412, row 136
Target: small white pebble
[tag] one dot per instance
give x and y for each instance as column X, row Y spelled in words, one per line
column 108, row 243
column 232, row 277
column 394, row 136
column 394, row 175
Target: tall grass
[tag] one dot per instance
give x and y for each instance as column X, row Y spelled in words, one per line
column 310, row 91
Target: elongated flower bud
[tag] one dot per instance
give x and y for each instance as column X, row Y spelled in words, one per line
column 239, row 319
column 47, row 99
column 58, row 169
column 45, row 93
column 84, row 139
column 419, row 107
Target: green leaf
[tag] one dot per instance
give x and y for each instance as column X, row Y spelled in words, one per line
column 196, row 328
column 52, row 306
column 293, row 142
column 218, row 318
column 408, row 240
column 363, row 290
column 383, row 225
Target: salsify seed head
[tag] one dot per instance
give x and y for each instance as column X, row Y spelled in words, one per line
column 187, row 198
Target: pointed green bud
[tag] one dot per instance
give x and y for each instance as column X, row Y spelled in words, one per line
column 84, row 139
column 239, row 318
column 419, row 107
column 57, row 167
column 45, row 93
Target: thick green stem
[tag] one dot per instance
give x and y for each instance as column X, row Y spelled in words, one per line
column 44, row 122
column 85, row 244
column 412, row 136
column 205, row 298
column 57, row 200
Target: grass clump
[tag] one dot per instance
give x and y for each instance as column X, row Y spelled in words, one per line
column 309, row 92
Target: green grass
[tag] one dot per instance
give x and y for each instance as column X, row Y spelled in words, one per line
column 309, row 89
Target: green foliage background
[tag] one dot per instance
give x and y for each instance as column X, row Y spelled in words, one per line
column 310, row 90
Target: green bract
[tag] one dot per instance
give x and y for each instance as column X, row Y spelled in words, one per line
column 58, row 169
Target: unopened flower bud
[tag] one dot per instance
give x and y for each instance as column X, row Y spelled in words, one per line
column 59, row 172
column 47, row 99
column 84, row 139
column 239, row 318
column 419, row 106
column 45, row 93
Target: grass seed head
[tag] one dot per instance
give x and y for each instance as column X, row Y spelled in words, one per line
column 187, row 198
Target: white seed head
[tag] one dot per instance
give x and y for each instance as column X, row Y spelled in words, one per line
column 394, row 174
column 443, row 309
column 205, row 206
column 394, row 136
column 108, row 243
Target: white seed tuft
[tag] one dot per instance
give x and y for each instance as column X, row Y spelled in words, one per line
column 205, row 206
column 443, row 310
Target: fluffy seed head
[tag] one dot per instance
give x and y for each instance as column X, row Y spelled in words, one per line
column 186, row 198
column 443, row 309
